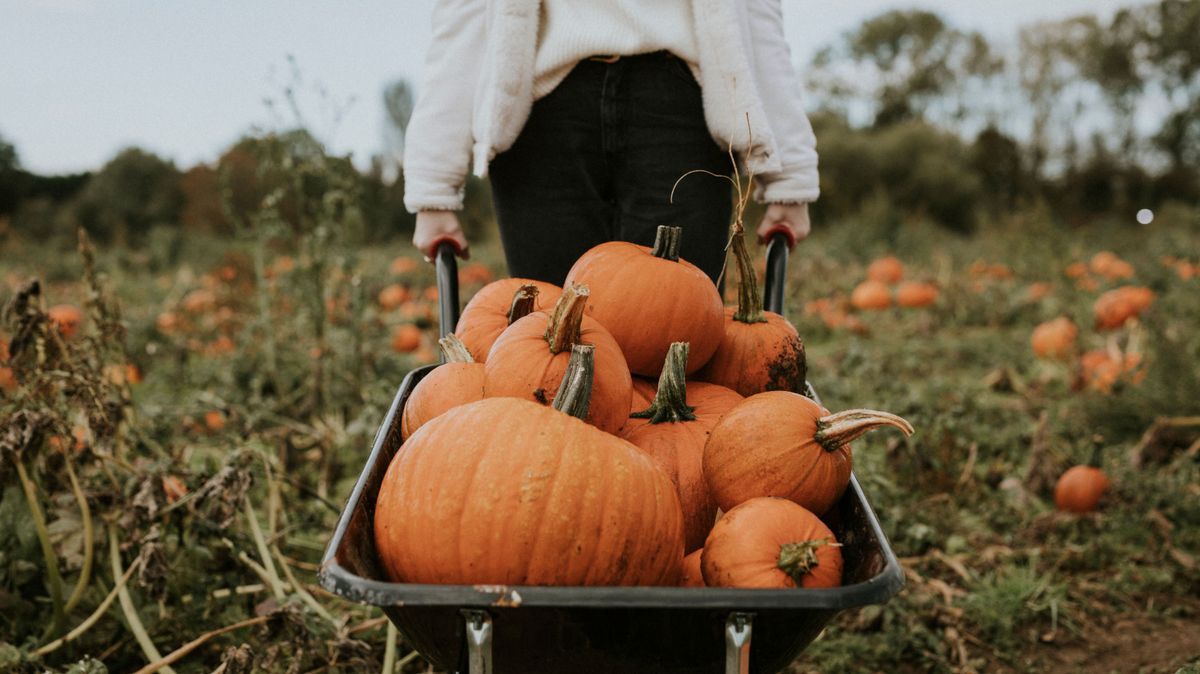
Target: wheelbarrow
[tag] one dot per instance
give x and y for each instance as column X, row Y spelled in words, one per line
column 490, row 629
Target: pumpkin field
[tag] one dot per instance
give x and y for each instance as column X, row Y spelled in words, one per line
column 183, row 421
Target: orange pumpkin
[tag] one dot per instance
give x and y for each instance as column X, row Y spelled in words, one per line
column 871, row 296
column 649, row 298
column 4, row 355
column 456, row 382
column 1037, row 290
column 783, row 444
column 214, row 421
column 1110, row 266
column 1076, row 270
column 543, row 499
column 916, row 295
column 1115, row 307
column 1080, row 488
column 8, row 380
column 402, row 265
column 1100, row 369
column 494, row 308
column 529, row 358
column 760, row 350
column 692, row 576
column 393, row 296
column 406, row 338
column 887, row 270
column 771, row 543
column 1054, row 339
column 66, row 319
column 673, row 429
column 199, row 301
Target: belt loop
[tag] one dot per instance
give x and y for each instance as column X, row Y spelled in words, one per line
column 609, row 58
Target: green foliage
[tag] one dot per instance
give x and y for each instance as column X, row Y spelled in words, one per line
column 131, row 194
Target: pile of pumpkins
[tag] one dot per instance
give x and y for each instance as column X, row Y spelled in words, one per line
column 627, row 429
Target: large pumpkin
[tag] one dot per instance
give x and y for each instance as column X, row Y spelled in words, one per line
column 1115, row 307
column 771, row 543
column 673, row 429
column 529, row 358
column 649, row 298
column 1055, row 338
column 783, row 444
column 508, row 492
column 456, row 382
column 759, row 350
column 496, row 306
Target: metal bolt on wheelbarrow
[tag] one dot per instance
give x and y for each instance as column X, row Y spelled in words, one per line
column 487, row 629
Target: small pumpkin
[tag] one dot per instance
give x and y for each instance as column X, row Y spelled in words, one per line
column 692, row 576
column 456, row 382
column 402, row 265
column 393, row 296
column 8, row 380
column 540, row 498
column 1116, row 307
column 649, row 298
column 783, row 444
column 887, row 270
column 1054, row 339
column 66, row 318
column 673, row 429
column 871, row 296
column 529, row 358
column 406, row 338
column 498, row 305
column 771, row 543
column 916, row 294
column 759, row 350
column 1080, row 488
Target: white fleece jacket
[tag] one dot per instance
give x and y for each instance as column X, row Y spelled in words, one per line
column 478, row 90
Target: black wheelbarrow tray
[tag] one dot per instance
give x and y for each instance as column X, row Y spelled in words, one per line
column 575, row 630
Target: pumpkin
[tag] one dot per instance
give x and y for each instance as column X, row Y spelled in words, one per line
column 887, row 270
column 214, row 421
column 692, row 576
column 529, row 358
column 8, row 380
column 1110, row 266
column 402, row 265
column 673, row 429
column 1054, row 339
column 916, row 295
column 199, row 301
column 771, row 543
column 66, row 319
column 393, row 296
column 1100, row 369
column 871, row 296
column 1076, row 270
column 1037, row 290
column 457, row 382
column 1080, row 488
column 1115, row 307
column 649, row 298
column 496, row 306
column 538, row 498
column 406, row 338
column 759, row 350
column 783, row 444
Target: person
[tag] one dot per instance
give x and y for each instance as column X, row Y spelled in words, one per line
column 586, row 115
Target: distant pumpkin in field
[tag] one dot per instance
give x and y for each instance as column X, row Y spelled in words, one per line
column 403, row 265
column 871, row 295
column 887, row 269
column 1115, row 307
column 916, row 295
column 406, row 338
column 1054, row 339
column 393, row 296
column 199, row 301
column 66, row 318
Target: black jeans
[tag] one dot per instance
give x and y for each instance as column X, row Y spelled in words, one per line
column 597, row 160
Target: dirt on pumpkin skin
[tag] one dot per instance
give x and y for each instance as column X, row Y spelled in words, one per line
column 789, row 370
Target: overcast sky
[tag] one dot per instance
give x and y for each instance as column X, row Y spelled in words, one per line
column 80, row 79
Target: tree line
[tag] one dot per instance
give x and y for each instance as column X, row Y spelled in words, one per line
column 1080, row 118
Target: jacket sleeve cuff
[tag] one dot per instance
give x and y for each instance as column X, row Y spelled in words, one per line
column 793, row 185
column 432, row 192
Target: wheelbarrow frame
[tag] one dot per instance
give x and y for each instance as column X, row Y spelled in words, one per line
column 481, row 629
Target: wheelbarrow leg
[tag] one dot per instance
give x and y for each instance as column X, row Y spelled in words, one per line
column 479, row 642
column 737, row 643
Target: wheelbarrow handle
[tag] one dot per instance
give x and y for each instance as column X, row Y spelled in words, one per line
column 447, row 284
column 780, row 241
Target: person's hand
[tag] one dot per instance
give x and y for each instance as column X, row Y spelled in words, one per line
column 436, row 226
column 792, row 217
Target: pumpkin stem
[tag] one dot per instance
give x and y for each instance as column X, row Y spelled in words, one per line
column 750, row 307
column 670, row 402
column 575, row 392
column 453, row 350
column 666, row 242
column 566, row 323
column 800, row 558
column 522, row 303
column 838, row 430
